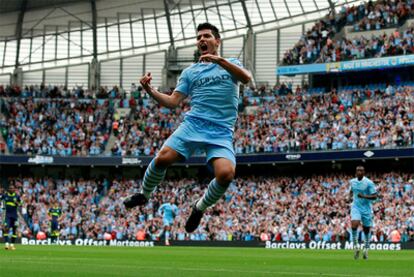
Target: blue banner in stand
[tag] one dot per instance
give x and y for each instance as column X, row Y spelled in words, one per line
column 270, row 158
column 365, row 64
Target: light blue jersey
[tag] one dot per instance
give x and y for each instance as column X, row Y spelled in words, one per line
column 214, row 92
column 362, row 208
column 169, row 211
column 209, row 125
column 365, row 186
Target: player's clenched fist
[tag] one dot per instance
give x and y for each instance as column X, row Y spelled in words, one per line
column 209, row 58
column 146, row 80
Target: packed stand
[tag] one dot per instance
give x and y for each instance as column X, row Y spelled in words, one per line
column 307, row 49
column 253, row 208
column 378, row 15
column 373, row 47
column 348, row 119
column 368, row 16
column 57, row 127
column 53, row 91
column 145, row 130
column 3, row 133
column 43, row 91
column 277, row 120
column 282, row 120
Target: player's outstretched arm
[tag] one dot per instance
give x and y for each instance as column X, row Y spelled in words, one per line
column 236, row 71
column 169, row 101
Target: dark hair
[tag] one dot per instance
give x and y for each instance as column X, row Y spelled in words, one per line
column 208, row 26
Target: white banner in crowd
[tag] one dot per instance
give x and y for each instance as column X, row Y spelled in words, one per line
column 323, row 245
column 89, row 242
column 315, row 245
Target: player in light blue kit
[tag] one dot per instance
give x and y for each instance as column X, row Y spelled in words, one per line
column 212, row 85
column 168, row 211
column 363, row 192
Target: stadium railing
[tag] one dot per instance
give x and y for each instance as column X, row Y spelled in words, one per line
column 294, row 157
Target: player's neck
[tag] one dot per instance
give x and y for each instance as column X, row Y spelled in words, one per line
column 360, row 178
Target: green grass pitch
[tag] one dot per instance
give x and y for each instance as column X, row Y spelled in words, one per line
column 198, row 261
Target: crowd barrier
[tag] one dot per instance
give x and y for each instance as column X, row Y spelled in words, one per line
column 355, row 65
column 315, row 245
column 298, row 157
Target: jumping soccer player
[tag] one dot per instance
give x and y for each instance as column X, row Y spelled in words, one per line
column 212, row 84
column 11, row 201
column 363, row 192
column 55, row 213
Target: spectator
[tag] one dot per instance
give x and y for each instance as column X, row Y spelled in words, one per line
column 284, row 208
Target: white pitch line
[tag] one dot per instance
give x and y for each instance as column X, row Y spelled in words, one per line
column 269, row 272
column 30, row 260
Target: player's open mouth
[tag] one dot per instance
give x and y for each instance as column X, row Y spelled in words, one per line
column 203, row 47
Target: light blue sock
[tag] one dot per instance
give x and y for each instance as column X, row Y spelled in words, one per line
column 367, row 239
column 214, row 192
column 152, row 178
column 355, row 237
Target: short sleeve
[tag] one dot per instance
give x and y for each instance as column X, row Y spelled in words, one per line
column 371, row 188
column 183, row 85
column 161, row 208
column 350, row 186
column 236, row 62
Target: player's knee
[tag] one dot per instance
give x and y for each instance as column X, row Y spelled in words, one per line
column 225, row 176
column 163, row 159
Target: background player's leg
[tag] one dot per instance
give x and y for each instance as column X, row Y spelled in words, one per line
column 54, row 230
column 13, row 236
column 6, row 237
column 6, row 231
column 367, row 234
column 354, row 226
column 224, row 172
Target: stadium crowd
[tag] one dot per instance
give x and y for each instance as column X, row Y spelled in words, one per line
column 60, row 91
column 378, row 15
column 364, row 48
column 146, row 129
column 276, row 208
column 275, row 120
column 358, row 48
column 294, row 121
column 318, row 43
column 348, row 119
column 57, row 127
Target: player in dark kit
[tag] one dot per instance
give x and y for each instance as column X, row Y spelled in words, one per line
column 55, row 212
column 12, row 202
